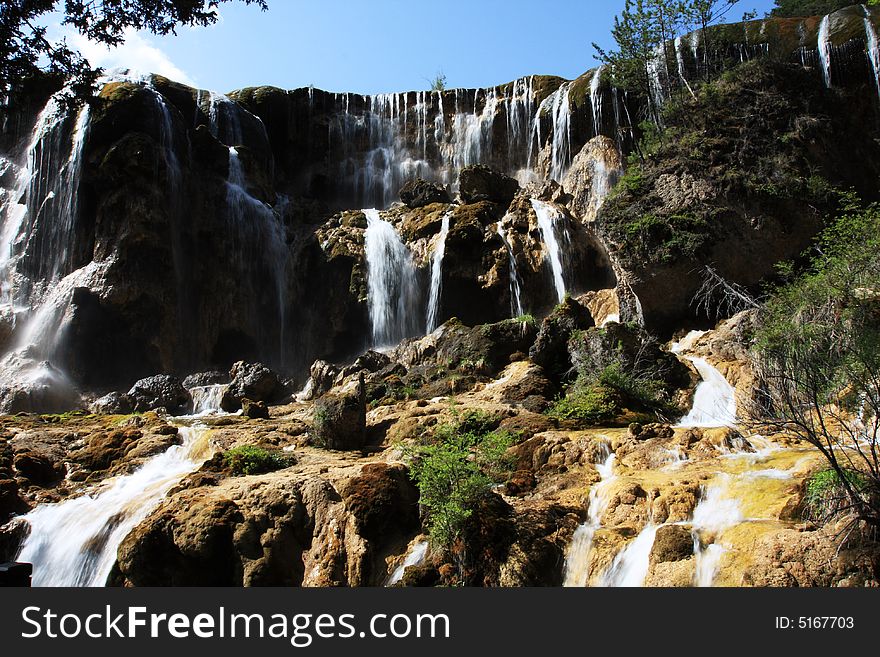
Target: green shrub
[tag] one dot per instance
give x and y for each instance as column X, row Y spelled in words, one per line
column 591, row 405
column 826, row 494
column 457, row 467
column 251, row 460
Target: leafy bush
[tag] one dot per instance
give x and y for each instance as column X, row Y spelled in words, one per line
column 251, row 460
column 826, row 494
column 593, row 405
column 818, row 350
column 457, row 467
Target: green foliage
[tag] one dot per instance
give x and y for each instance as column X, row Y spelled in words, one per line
column 456, row 467
column 27, row 53
column 251, row 460
column 438, row 82
column 789, row 8
column 818, row 345
column 826, row 495
column 592, row 405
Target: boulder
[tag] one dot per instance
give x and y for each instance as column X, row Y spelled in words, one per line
column 114, row 403
column 254, row 409
column 321, row 378
column 383, row 501
column 38, row 468
column 480, row 183
column 253, row 381
column 202, row 379
column 550, row 349
column 10, row 501
column 341, row 420
column 672, row 543
column 419, row 193
column 160, row 391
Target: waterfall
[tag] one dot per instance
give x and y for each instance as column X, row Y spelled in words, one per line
column 824, row 47
column 414, row 557
column 207, row 399
column 713, row 515
column 392, row 283
column 873, row 48
column 714, row 399
column 516, row 307
column 437, row 275
column 679, row 58
column 224, row 119
column 74, row 542
column 630, row 566
column 257, row 228
column 560, row 111
column 596, row 100
column 547, row 216
column 577, row 558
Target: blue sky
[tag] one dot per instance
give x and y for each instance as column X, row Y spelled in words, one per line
column 372, row 46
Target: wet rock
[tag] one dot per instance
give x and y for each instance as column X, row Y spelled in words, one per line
column 322, row 375
column 10, row 501
column 160, row 391
column 419, row 193
column 38, row 468
column 254, row 409
column 202, row 379
column 592, row 175
column 383, row 502
column 480, row 183
column 27, row 386
column 114, row 403
column 254, row 381
column 341, row 421
column 650, row 431
column 672, row 543
column 550, row 349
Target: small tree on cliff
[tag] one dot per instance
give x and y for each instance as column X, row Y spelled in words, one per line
column 818, row 349
column 26, row 51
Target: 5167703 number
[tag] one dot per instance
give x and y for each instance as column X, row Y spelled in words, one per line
column 815, row 623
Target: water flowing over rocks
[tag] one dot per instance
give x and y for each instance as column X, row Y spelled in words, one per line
column 530, row 255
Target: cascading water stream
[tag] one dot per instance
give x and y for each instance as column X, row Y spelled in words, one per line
column 516, row 307
column 596, row 100
column 437, row 275
column 207, row 399
column 714, row 514
column 414, row 557
column 714, row 399
column 630, row 566
column 392, row 283
column 577, row 558
column 74, row 543
column 266, row 236
column 873, row 47
column 824, row 48
column 547, row 217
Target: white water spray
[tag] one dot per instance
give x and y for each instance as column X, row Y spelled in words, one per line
column 516, row 307
column 74, row 543
column 547, row 218
column 437, row 274
column 392, row 285
column 577, row 559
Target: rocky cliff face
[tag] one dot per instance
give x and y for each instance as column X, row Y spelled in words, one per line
column 199, row 229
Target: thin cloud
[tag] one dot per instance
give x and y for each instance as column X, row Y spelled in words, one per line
column 137, row 54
